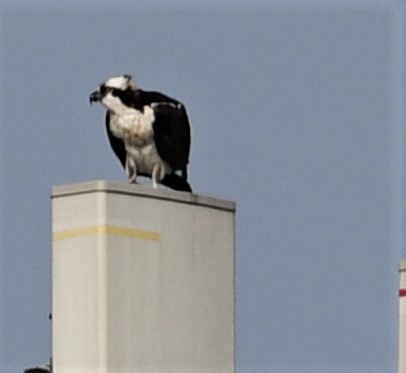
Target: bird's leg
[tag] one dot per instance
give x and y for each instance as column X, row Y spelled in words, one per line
column 156, row 175
column 131, row 170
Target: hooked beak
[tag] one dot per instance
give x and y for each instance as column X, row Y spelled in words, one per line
column 94, row 97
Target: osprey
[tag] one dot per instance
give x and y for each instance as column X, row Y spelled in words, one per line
column 149, row 132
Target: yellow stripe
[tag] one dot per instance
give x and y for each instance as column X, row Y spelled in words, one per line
column 107, row 229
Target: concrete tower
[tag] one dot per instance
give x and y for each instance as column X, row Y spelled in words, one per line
column 143, row 280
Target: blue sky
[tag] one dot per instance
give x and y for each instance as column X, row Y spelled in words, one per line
column 297, row 109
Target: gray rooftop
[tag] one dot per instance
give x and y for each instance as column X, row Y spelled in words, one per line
column 141, row 191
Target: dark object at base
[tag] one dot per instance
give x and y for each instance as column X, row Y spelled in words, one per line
column 41, row 369
column 176, row 182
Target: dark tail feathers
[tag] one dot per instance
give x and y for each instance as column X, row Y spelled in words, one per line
column 176, row 182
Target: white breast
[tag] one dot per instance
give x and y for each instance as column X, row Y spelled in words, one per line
column 135, row 128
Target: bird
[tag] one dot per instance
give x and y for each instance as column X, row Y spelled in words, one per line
column 148, row 131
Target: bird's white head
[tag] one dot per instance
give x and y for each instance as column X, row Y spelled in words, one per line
column 115, row 93
column 121, row 82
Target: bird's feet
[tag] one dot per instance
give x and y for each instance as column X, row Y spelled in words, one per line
column 158, row 172
column 131, row 170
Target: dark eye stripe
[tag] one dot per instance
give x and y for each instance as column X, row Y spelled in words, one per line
column 104, row 89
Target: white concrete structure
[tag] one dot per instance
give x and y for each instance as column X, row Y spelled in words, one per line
column 402, row 317
column 143, row 280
